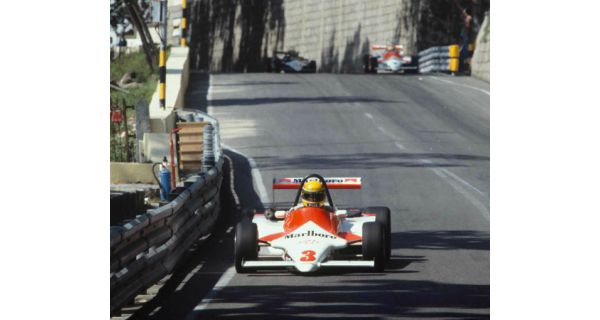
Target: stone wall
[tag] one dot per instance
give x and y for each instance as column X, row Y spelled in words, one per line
column 480, row 63
column 237, row 35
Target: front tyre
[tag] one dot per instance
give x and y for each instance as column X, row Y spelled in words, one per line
column 246, row 244
column 373, row 244
column 383, row 216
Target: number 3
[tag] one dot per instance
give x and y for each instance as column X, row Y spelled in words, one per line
column 309, row 255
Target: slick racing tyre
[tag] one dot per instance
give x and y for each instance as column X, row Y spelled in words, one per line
column 246, row 244
column 366, row 63
column 382, row 215
column 374, row 64
column 373, row 245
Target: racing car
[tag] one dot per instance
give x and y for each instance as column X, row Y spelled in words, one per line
column 306, row 238
column 389, row 59
column 290, row 62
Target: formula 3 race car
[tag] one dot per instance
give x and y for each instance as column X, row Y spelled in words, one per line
column 290, row 62
column 389, row 59
column 306, row 238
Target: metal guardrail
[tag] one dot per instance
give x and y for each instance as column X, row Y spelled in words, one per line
column 147, row 248
column 442, row 58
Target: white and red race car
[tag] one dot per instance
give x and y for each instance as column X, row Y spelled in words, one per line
column 308, row 238
column 389, row 59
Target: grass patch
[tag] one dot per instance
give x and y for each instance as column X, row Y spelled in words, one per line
column 148, row 80
column 133, row 62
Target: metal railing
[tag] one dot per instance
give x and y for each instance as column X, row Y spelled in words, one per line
column 147, row 248
column 442, row 58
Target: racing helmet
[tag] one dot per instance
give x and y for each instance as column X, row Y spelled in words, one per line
column 313, row 194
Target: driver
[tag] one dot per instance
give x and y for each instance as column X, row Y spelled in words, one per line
column 313, row 194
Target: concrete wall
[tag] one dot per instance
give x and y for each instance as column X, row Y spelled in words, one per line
column 236, row 35
column 480, row 63
column 129, row 172
column 163, row 120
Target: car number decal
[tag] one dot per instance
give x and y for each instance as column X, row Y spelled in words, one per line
column 309, row 255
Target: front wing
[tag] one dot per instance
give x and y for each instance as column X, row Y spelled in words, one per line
column 284, row 264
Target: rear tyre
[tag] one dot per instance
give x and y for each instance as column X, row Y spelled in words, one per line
column 383, row 216
column 312, row 66
column 246, row 245
column 373, row 245
column 374, row 64
column 366, row 63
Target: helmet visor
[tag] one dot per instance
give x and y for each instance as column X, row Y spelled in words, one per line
column 313, row 196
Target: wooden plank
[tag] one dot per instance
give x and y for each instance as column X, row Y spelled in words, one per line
column 191, row 124
column 190, row 147
column 191, row 130
column 186, row 157
column 191, row 166
column 190, row 139
column 191, row 142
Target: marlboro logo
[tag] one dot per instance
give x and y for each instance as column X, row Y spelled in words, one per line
column 309, row 233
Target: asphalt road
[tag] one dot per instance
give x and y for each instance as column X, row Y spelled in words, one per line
column 421, row 144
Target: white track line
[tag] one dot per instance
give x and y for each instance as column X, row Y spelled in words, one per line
column 445, row 174
column 188, row 277
column 462, row 85
column 222, row 283
column 264, row 197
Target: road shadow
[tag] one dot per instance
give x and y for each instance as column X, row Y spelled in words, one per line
column 442, row 240
column 254, row 83
column 367, row 161
column 300, row 100
column 197, row 91
column 206, row 261
column 358, row 299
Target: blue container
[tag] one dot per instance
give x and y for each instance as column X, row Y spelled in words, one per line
column 165, row 184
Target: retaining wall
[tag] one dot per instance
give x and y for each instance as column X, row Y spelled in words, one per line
column 480, row 63
column 236, row 35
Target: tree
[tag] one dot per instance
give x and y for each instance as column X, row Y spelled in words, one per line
column 123, row 13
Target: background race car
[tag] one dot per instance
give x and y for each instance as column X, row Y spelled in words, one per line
column 290, row 62
column 306, row 238
column 389, row 59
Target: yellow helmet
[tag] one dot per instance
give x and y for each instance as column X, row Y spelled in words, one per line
column 313, row 194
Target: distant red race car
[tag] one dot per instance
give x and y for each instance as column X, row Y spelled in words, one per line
column 306, row 238
column 389, row 59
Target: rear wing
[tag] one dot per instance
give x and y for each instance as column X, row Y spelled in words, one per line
column 385, row 47
column 332, row 183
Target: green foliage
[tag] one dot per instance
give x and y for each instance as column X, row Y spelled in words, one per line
column 133, row 62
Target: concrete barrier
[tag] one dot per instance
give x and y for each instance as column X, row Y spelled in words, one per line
column 131, row 172
column 237, row 36
column 156, row 143
column 480, row 62
column 163, row 120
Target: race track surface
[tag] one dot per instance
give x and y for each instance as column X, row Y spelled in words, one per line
column 421, row 145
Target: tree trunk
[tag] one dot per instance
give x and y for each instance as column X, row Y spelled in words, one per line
column 142, row 29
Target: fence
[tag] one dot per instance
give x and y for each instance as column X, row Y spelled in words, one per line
column 443, row 58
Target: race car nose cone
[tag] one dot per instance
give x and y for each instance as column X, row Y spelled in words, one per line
column 306, row 267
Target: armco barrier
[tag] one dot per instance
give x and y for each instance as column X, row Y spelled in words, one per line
column 147, row 248
column 443, row 58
